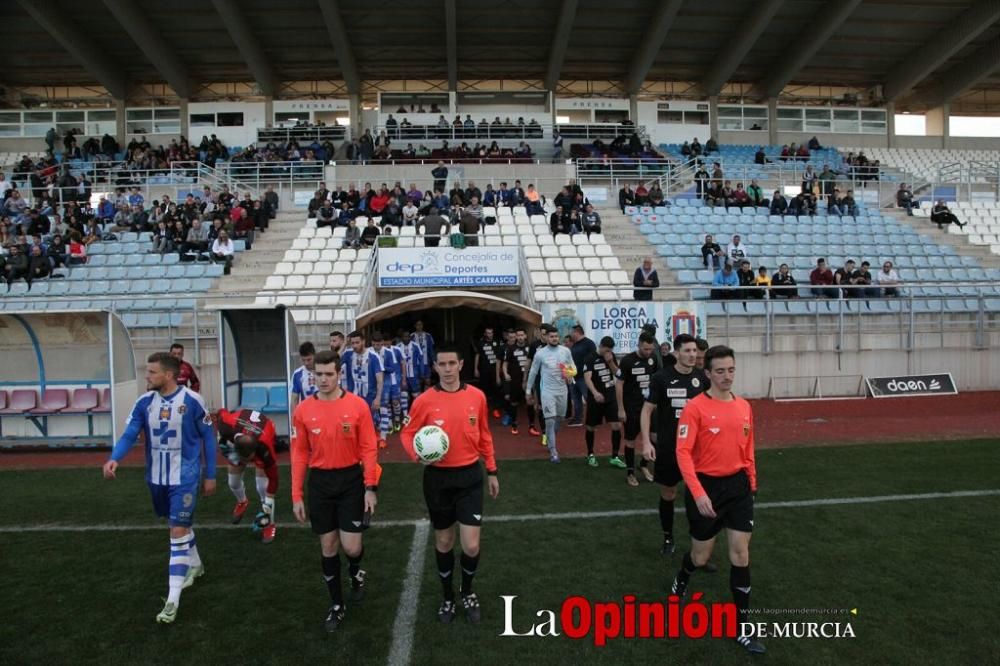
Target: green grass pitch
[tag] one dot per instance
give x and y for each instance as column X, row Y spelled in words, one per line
column 922, row 573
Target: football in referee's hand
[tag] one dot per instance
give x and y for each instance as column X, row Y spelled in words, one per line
column 430, row 444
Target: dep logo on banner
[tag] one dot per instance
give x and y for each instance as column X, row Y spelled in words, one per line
column 404, row 267
column 910, row 385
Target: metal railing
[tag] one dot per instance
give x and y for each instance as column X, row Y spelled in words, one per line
column 264, row 173
column 302, row 134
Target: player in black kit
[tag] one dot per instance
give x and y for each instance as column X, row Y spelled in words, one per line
column 513, row 373
column 599, row 371
column 669, row 391
column 487, row 368
column 632, row 387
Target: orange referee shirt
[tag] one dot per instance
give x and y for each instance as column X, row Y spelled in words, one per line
column 332, row 434
column 715, row 438
column 463, row 415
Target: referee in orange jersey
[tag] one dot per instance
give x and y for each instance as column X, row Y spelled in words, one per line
column 453, row 486
column 715, row 455
column 333, row 437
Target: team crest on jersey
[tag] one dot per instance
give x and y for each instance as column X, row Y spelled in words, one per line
column 682, row 431
column 346, row 428
column 187, row 499
column 207, row 420
column 164, row 412
column 439, row 423
column 182, row 409
column 292, row 434
column 746, row 429
column 472, row 419
column 695, row 382
column 406, row 420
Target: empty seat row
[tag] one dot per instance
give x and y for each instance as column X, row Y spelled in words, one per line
column 265, row 399
column 573, row 264
column 26, row 402
column 601, row 278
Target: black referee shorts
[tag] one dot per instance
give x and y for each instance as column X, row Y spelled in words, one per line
column 666, row 472
column 732, row 501
column 336, row 499
column 601, row 412
column 454, row 494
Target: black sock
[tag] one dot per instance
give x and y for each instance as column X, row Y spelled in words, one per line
column 469, row 565
column 446, row 565
column 531, row 415
column 667, row 516
column 739, row 585
column 630, row 459
column 589, row 436
column 687, row 568
column 512, row 414
column 331, row 574
column 616, row 443
column 354, row 563
column 642, row 463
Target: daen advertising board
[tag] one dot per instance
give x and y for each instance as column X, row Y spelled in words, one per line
column 405, row 268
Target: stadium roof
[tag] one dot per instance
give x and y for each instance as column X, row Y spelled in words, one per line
column 940, row 47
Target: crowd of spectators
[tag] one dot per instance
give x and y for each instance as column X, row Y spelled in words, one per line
column 466, row 128
column 733, row 276
column 35, row 242
column 375, row 216
column 386, row 148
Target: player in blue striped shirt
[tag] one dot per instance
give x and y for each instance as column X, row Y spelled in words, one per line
column 363, row 375
column 178, row 433
column 303, row 380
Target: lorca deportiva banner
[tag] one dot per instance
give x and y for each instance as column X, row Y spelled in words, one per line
column 624, row 321
column 447, row 267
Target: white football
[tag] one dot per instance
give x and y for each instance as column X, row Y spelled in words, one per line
column 430, row 444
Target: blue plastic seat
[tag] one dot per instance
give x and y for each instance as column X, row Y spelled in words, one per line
column 278, row 398
column 254, row 397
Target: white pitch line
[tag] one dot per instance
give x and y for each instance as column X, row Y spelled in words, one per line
column 525, row 517
column 405, row 624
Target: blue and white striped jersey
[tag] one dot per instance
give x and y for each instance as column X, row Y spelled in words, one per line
column 414, row 358
column 425, row 341
column 360, row 372
column 303, row 383
column 178, row 430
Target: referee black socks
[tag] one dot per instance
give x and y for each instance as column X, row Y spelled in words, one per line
column 469, row 566
column 667, row 517
column 589, row 437
column 354, row 563
column 331, row 574
column 739, row 585
column 687, row 568
column 446, row 564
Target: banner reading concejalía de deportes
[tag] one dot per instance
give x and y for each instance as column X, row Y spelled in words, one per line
column 624, row 321
column 407, row 267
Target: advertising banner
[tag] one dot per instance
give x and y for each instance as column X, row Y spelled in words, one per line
column 411, row 267
column 624, row 321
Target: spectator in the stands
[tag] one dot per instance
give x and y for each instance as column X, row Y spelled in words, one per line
column 532, row 201
column 77, row 250
column 641, row 194
column 821, row 280
column 724, row 283
column 370, row 233
column 848, row 205
column 178, row 236
column 57, row 252
column 591, row 220
column 16, row 266
column 564, row 199
column 686, row 149
column 942, row 215
column 888, row 280
column 378, row 202
column 489, row 196
column 474, row 208
column 626, row 197
column 352, row 235
column 756, row 195
column 799, row 205
column 904, row 199
column 786, row 153
column 737, row 251
column 197, row 238
column 802, row 153
column 783, row 283
column 760, row 157
column 326, row 216
column 712, row 255
column 740, row 198
column 162, row 238
column 745, row 274
column 717, row 174
column 38, row 265
column 701, row 181
column 655, row 196
column 715, row 195
column 711, row 146
column 223, row 251
column 863, row 280
column 846, row 278
column 763, row 281
column 696, row 149
column 809, row 178
column 647, row 279
column 410, row 213
column 433, row 227
column 468, row 226
column 457, row 195
column 814, row 144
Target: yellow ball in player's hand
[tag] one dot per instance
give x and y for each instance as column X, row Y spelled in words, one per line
column 568, row 370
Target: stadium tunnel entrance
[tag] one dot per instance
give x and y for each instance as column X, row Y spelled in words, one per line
column 454, row 316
